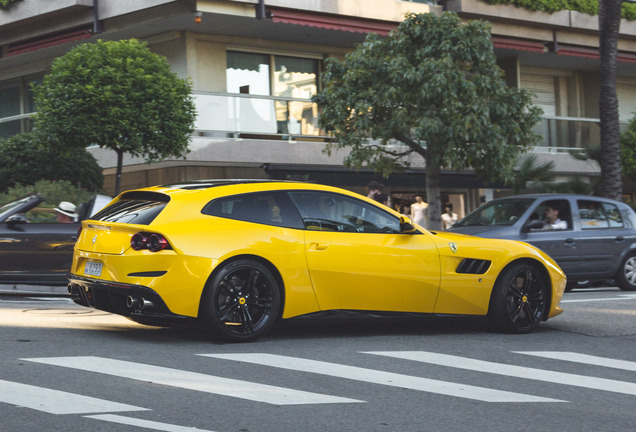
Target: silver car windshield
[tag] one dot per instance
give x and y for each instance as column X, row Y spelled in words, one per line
column 499, row 212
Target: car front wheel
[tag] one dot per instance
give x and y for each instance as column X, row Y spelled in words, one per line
column 626, row 278
column 518, row 301
column 242, row 302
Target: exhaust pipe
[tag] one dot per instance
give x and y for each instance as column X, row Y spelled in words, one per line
column 145, row 304
column 71, row 290
column 131, row 302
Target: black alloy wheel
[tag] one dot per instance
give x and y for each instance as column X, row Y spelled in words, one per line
column 626, row 278
column 518, row 301
column 242, row 302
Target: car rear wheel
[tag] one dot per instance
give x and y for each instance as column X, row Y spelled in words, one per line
column 242, row 302
column 626, row 278
column 518, row 300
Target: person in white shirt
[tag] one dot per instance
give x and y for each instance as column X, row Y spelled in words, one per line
column 448, row 218
column 552, row 221
column 418, row 211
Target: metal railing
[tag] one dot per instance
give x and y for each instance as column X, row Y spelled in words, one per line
column 278, row 117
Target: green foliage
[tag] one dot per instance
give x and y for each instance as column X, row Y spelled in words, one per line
column 24, row 160
column 53, row 191
column 628, row 150
column 530, row 172
column 4, row 4
column 585, row 6
column 118, row 95
column 434, row 85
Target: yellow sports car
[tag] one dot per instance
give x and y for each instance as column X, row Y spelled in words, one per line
column 240, row 254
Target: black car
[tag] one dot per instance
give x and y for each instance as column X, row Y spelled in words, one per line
column 597, row 239
column 34, row 253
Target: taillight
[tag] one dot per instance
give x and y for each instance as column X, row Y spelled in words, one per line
column 152, row 242
column 157, row 242
column 139, row 241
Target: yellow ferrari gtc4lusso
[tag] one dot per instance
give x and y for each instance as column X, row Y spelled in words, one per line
column 238, row 255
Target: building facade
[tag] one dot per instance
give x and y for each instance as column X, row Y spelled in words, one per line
column 254, row 65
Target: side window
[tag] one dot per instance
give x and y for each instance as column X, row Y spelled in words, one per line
column 268, row 208
column 325, row 211
column 597, row 215
column 556, row 214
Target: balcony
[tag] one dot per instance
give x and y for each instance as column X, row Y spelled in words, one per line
column 244, row 116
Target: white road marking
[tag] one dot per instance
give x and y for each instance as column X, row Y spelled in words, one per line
column 57, row 402
column 383, row 378
column 583, row 358
column 144, row 423
column 514, row 371
column 192, row 381
column 595, row 300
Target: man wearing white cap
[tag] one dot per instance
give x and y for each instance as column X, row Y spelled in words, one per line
column 66, row 212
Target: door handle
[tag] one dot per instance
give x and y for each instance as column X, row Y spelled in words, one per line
column 569, row 241
column 619, row 239
column 318, row 246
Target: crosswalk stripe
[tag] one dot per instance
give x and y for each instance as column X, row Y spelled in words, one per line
column 583, row 358
column 57, row 402
column 148, row 424
column 596, row 300
column 192, row 380
column 513, row 371
column 381, row 377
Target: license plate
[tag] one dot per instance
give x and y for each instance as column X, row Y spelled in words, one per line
column 93, row 268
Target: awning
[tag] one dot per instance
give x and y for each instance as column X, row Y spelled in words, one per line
column 518, row 44
column 47, row 41
column 331, row 22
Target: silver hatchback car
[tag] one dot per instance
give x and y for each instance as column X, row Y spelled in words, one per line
column 591, row 238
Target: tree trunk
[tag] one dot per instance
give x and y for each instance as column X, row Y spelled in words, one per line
column 120, row 163
column 609, row 16
column 433, row 195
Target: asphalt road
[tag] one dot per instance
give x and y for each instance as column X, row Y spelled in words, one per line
column 67, row 368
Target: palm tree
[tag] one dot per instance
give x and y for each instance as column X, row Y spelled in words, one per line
column 610, row 184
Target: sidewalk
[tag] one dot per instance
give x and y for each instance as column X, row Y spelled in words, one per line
column 33, row 290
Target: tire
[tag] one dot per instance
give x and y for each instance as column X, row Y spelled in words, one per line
column 626, row 277
column 242, row 302
column 518, row 300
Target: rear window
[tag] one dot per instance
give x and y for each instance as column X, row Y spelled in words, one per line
column 595, row 215
column 268, row 208
column 133, row 211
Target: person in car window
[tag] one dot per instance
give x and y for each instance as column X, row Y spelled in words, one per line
column 552, row 221
column 66, row 212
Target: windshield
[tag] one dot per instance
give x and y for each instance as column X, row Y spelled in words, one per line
column 499, row 212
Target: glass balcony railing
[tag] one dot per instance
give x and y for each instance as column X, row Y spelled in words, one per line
column 243, row 114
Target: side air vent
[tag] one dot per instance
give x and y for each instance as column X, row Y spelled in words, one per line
column 473, row 266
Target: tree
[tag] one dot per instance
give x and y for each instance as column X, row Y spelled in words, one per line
column 628, row 150
column 432, row 86
column 117, row 95
column 531, row 171
column 25, row 160
column 609, row 18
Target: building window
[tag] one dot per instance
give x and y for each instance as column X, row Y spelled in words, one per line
column 289, row 81
column 16, row 98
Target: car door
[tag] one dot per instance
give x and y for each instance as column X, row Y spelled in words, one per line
column 560, row 244
column 602, row 237
column 359, row 260
column 37, row 252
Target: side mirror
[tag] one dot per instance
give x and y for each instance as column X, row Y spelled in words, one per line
column 406, row 225
column 16, row 219
column 535, row 224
